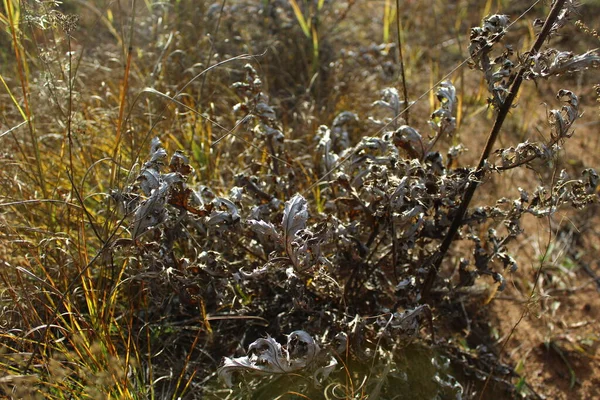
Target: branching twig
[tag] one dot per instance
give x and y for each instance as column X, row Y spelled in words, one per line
column 436, row 261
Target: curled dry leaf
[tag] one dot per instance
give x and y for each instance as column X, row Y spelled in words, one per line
column 268, row 357
column 443, row 120
column 294, row 220
column 410, row 140
column 265, row 230
column 151, row 212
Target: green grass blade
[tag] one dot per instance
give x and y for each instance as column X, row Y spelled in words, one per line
column 300, row 18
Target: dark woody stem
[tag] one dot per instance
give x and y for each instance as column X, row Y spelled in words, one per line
column 436, row 261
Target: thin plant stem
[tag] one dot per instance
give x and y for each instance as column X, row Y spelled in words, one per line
column 24, row 80
column 211, row 52
column 401, row 58
column 123, row 96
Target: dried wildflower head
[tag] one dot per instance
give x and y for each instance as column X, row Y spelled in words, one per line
column 68, row 23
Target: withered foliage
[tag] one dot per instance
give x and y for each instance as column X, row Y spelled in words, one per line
column 292, row 255
column 339, row 262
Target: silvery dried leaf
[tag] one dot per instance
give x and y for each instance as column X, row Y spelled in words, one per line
column 157, row 152
column 325, row 149
column 390, row 99
column 264, row 110
column 563, row 176
column 340, row 126
column 443, row 122
column 236, row 193
column 180, row 163
column 203, row 195
column 562, row 120
column 294, row 219
column 151, row 212
column 237, row 107
column 563, row 18
column 322, row 373
column 498, row 278
column 229, row 217
column 340, row 342
column 273, row 133
column 591, row 177
column 446, row 94
column 435, row 162
column 250, row 71
column 397, row 198
column 256, row 273
column 265, row 230
column 301, row 348
column 172, row 178
column 291, row 275
column 455, row 151
column 410, row 140
column 495, row 24
column 374, row 143
column 405, row 284
column 553, row 62
column 149, row 180
column 411, row 213
column 127, row 202
column 267, row 357
column 508, row 261
column 231, row 365
column 502, row 72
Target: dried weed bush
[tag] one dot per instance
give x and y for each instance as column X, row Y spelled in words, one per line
column 149, row 274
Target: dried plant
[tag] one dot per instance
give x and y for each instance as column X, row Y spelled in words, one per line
column 161, row 271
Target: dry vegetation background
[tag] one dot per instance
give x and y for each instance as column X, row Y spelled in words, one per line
column 135, row 267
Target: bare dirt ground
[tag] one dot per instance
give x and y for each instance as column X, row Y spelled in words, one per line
column 554, row 335
column 552, row 338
